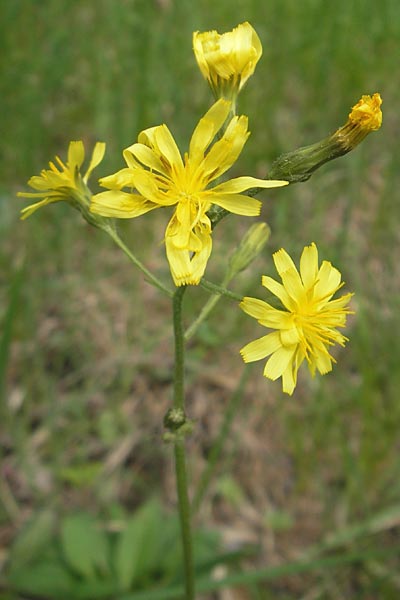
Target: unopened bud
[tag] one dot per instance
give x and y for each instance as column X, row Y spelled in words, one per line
column 248, row 249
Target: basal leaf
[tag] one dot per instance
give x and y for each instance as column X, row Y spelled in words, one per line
column 85, row 545
column 138, row 546
column 34, row 538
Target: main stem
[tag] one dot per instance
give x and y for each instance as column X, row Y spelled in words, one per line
column 179, row 443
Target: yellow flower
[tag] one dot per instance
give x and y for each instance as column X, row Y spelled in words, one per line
column 64, row 181
column 308, row 326
column 365, row 116
column 162, row 178
column 227, row 60
column 367, row 112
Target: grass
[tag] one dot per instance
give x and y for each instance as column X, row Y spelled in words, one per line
column 84, row 355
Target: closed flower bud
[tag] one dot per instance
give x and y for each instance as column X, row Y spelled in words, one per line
column 249, row 248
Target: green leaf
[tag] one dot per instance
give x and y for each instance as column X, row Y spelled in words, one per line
column 48, row 579
column 34, row 538
column 85, row 545
column 138, row 547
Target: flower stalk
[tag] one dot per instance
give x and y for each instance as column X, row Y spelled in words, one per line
column 178, row 427
column 149, row 276
column 298, row 166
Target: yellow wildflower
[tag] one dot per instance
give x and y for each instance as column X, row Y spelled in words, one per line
column 308, row 326
column 162, row 178
column 365, row 116
column 367, row 112
column 227, row 60
column 64, row 181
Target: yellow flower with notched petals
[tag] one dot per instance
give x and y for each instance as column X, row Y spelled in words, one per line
column 64, row 181
column 308, row 326
column 162, row 177
column 227, row 60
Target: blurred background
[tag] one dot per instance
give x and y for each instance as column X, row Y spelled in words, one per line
column 85, row 346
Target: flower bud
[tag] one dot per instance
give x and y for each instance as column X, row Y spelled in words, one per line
column 248, row 249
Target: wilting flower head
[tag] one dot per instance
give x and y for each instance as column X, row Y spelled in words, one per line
column 64, row 181
column 365, row 116
column 227, row 60
column 161, row 177
column 307, row 327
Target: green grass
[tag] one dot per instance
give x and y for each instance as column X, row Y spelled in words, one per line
column 84, row 369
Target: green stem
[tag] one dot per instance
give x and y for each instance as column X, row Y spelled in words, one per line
column 220, row 290
column 179, row 375
column 184, row 517
column 150, row 277
column 179, row 443
column 219, row 443
column 205, row 311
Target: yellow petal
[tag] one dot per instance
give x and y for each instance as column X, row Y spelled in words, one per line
column 279, row 291
column 120, row 204
column 167, row 146
column 181, row 226
column 322, row 360
column 282, row 261
column 199, row 259
column 29, row 210
column 187, row 269
column 37, row 182
column 294, row 286
column 148, row 137
column 226, row 151
column 237, row 203
column 261, row 348
column 309, row 265
column 207, row 128
column 278, row 362
column 146, row 184
column 76, row 155
column 255, row 308
column 118, row 180
column 239, row 184
column 290, row 337
column 97, row 157
column 289, row 379
column 328, row 281
column 139, row 155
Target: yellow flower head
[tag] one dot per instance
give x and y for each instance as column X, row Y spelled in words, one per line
column 307, row 327
column 367, row 112
column 161, row 177
column 227, row 60
column 64, row 181
column 365, row 116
